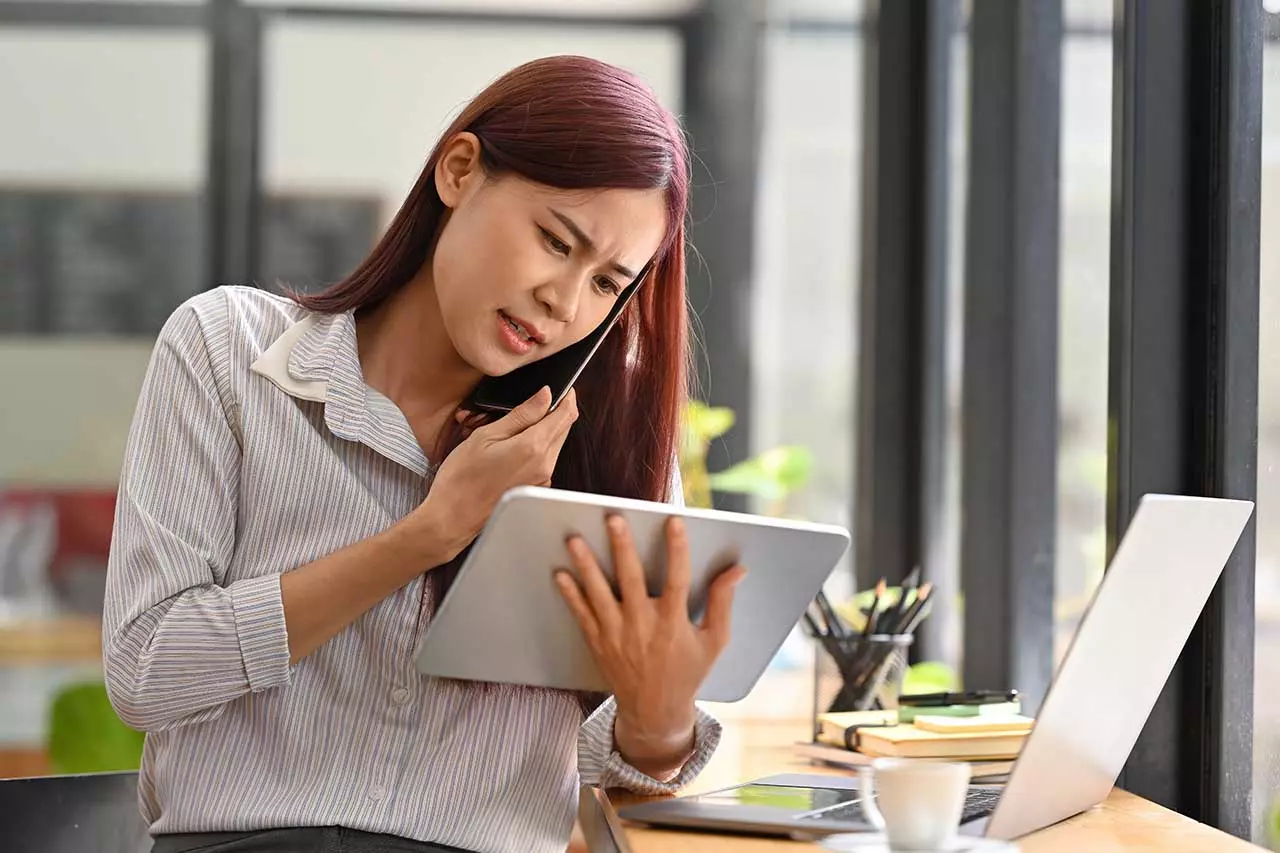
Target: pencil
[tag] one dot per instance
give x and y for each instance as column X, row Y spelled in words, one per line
column 873, row 617
column 812, row 623
column 835, row 627
column 921, row 615
column 894, row 612
column 909, row 620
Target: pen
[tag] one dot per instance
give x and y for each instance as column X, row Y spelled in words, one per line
column 969, row 697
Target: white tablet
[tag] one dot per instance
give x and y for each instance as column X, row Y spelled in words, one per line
column 504, row 620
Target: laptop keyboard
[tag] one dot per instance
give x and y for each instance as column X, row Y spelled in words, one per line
column 979, row 802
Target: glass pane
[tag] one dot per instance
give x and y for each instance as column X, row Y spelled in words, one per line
column 1266, row 734
column 946, row 621
column 1084, row 269
column 101, row 181
column 806, row 289
column 336, row 169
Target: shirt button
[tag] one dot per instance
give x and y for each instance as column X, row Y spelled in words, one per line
column 377, row 793
column 399, row 695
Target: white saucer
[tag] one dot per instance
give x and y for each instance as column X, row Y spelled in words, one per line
column 875, row 842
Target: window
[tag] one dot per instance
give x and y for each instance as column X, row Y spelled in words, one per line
column 336, row 168
column 804, row 315
column 1266, row 735
column 1084, row 311
column 101, row 236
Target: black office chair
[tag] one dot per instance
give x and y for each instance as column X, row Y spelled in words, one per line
column 95, row 812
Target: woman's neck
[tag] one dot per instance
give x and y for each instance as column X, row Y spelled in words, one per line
column 406, row 355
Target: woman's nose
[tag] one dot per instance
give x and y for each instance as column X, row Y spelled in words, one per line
column 560, row 298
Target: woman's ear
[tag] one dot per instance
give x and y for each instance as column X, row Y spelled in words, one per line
column 458, row 169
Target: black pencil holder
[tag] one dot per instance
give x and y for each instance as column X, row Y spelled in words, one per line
column 858, row 673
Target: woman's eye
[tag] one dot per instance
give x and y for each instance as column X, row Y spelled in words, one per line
column 608, row 285
column 556, row 244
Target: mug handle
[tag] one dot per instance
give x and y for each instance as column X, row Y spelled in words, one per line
column 866, row 784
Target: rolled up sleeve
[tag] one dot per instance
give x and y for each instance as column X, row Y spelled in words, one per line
column 600, row 764
column 179, row 642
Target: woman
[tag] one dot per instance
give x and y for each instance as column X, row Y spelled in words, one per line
column 297, row 467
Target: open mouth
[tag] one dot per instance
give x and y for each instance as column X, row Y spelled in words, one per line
column 520, row 330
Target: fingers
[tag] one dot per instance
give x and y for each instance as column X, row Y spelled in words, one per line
column 570, row 404
column 626, row 564
column 715, row 624
column 675, row 596
column 544, row 440
column 596, row 588
column 577, row 602
column 552, row 430
column 523, row 416
column 555, row 443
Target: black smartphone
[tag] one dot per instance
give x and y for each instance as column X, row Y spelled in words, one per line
column 498, row 395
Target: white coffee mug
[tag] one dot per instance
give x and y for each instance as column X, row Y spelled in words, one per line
column 917, row 804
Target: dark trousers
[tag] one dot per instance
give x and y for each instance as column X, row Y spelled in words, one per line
column 307, row 839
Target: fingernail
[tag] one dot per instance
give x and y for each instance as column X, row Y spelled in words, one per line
column 615, row 523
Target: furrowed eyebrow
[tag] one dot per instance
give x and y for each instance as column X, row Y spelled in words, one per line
column 585, row 239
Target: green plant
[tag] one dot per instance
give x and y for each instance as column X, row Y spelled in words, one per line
column 929, row 677
column 772, row 475
column 86, row 736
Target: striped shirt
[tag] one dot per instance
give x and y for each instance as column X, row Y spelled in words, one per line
column 256, row 448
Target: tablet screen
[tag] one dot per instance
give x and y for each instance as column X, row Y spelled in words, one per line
column 792, row 799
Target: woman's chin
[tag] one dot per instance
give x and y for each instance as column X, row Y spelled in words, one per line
column 492, row 361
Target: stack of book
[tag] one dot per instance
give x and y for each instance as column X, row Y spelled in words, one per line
column 988, row 736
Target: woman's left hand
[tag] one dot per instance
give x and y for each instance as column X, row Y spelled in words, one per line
column 653, row 656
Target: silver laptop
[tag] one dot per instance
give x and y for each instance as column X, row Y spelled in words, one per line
column 1121, row 656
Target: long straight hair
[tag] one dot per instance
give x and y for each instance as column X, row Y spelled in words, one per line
column 573, row 123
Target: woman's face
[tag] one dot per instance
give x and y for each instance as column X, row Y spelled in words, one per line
column 522, row 270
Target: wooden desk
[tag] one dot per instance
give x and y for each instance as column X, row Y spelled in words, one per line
column 1123, row 824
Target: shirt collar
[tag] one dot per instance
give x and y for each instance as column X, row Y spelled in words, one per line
column 317, row 359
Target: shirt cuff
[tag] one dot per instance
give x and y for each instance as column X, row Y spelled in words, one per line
column 260, row 627
column 600, row 764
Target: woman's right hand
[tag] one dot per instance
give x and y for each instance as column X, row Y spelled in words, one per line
column 518, row 449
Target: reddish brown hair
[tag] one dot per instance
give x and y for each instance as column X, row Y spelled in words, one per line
column 573, row 123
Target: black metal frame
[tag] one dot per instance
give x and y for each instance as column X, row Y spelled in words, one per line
column 722, row 115
column 462, row 16
column 1184, row 359
column 85, row 13
column 901, row 402
column 233, row 198
column 1010, row 403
